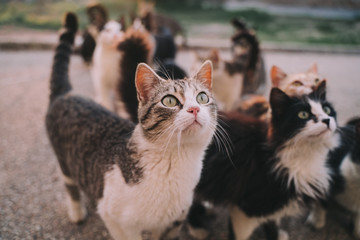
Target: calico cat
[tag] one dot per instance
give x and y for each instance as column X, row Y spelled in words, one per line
column 345, row 162
column 245, row 50
column 106, row 64
column 98, row 17
column 158, row 22
column 275, row 169
column 296, row 84
column 140, row 177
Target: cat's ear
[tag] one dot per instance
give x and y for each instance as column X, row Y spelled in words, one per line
column 320, row 91
column 277, row 75
column 313, row 69
column 278, row 101
column 205, row 74
column 145, row 79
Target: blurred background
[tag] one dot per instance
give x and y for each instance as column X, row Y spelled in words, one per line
column 304, row 22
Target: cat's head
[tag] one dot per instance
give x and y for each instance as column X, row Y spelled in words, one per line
column 111, row 34
column 306, row 119
column 183, row 109
column 296, row 84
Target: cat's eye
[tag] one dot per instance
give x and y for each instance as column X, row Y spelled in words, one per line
column 303, row 115
column 169, row 101
column 297, row 84
column 327, row 110
column 317, row 80
column 202, row 98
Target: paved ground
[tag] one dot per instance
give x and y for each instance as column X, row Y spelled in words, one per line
column 31, row 198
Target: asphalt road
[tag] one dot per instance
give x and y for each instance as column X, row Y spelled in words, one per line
column 32, row 194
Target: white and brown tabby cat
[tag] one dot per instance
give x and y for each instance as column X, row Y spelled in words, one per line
column 140, row 177
column 296, row 84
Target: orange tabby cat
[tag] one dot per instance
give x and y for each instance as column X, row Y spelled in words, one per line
column 296, row 84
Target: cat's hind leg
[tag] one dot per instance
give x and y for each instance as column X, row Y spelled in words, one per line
column 274, row 232
column 243, row 226
column 76, row 210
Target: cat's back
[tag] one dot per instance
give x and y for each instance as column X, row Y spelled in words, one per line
column 81, row 121
column 87, row 140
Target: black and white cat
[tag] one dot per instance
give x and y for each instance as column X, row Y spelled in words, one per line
column 140, row 177
column 274, row 170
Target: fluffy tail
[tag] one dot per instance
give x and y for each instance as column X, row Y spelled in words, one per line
column 136, row 48
column 59, row 83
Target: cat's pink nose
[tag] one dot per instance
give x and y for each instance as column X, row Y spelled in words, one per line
column 193, row 110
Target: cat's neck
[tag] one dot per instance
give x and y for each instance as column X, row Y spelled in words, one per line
column 306, row 166
column 168, row 156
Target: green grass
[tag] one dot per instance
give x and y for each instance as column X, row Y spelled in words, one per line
column 274, row 28
column 49, row 14
column 198, row 22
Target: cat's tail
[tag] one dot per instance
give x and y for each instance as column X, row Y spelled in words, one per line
column 138, row 46
column 59, row 82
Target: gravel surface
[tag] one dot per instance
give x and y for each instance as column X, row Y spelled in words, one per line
column 32, row 193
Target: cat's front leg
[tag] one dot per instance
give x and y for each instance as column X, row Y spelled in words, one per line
column 274, row 232
column 116, row 230
column 357, row 225
column 317, row 216
column 243, row 226
column 76, row 210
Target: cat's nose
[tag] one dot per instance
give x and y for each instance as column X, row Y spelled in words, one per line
column 193, row 110
column 326, row 121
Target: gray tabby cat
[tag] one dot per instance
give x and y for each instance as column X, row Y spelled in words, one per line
column 140, row 177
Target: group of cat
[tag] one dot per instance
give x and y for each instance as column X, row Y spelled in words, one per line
column 167, row 151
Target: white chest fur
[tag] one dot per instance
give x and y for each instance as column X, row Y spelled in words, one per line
column 105, row 74
column 306, row 165
column 163, row 195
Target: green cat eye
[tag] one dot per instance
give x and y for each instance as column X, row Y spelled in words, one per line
column 169, row 101
column 303, row 115
column 327, row 110
column 317, row 80
column 202, row 98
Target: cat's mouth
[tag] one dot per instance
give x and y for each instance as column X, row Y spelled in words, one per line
column 193, row 126
column 327, row 130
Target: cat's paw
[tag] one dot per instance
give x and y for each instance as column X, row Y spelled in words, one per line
column 283, row 235
column 198, row 233
column 77, row 212
column 356, row 231
column 317, row 218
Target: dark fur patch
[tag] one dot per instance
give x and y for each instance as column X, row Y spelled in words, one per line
column 136, row 49
column 88, row 47
column 73, row 192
